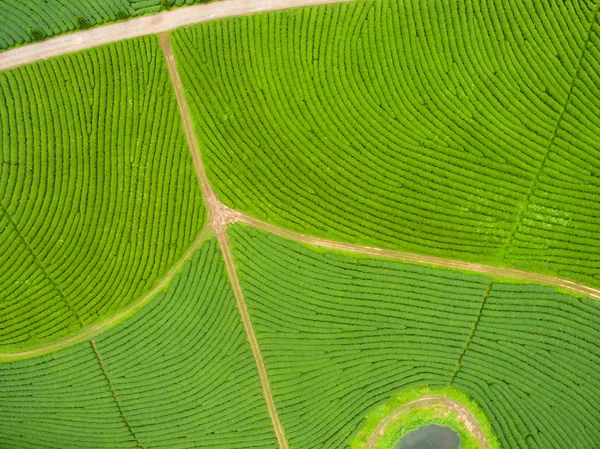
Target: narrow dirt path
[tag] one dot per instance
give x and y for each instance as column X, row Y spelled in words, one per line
column 95, row 329
column 113, row 393
column 142, row 26
column 471, row 333
column 416, row 258
column 431, row 401
column 220, row 218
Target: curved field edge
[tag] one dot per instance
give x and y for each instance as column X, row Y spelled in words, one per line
column 432, row 410
column 309, row 243
column 111, row 199
column 179, row 374
column 341, row 334
column 366, row 130
column 122, row 315
column 472, row 433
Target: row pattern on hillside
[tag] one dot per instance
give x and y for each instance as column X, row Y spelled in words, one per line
column 57, row 401
column 181, row 370
column 533, row 367
column 341, row 333
column 98, row 195
column 560, row 226
column 418, row 126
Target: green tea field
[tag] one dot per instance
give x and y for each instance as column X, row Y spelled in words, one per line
column 299, row 224
column 33, row 20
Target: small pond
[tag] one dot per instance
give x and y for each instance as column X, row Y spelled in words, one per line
column 430, row 437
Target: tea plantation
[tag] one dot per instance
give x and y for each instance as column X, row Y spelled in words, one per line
column 181, row 369
column 98, row 196
column 138, row 311
column 463, row 130
column 340, row 333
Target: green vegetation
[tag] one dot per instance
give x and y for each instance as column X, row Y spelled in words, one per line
column 533, row 367
column 83, row 23
column 461, row 130
column 181, row 369
column 36, row 35
column 53, row 17
column 465, row 130
column 413, row 419
column 122, row 15
column 98, row 195
column 59, row 400
column 341, row 334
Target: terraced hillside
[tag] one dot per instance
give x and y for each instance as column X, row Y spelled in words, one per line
column 339, row 334
column 261, row 231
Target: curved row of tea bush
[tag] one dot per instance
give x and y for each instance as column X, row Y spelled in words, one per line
column 183, row 368
column 33, row 20
column 57, row 401
column 98, row 194
column 340, row 334
column 423, row 126
column 182, row 371
column 560, row 228
column 533, row 367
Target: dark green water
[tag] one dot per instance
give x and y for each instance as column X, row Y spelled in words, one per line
column 430, row 437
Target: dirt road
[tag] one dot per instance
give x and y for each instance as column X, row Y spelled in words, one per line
column 463, row 413
column 417, row 258
column 220, row 218
column 142, row 26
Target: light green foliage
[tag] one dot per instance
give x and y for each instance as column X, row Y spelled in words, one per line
column 25, row 21
column 182, row 372
column 417, row 418
column 422, row 416
column 560, row 226
column 98, row 195
column 533, row 367
column 460, row 129
column 340, row 334
column 60, row 400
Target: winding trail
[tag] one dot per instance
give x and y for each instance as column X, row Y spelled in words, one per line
column 490, row 270
column 220, row 218
column 430, row 401
column 143, row 26
column 95, row 329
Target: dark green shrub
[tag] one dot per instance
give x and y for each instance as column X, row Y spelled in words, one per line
column 83, row 23
column 37, row 35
